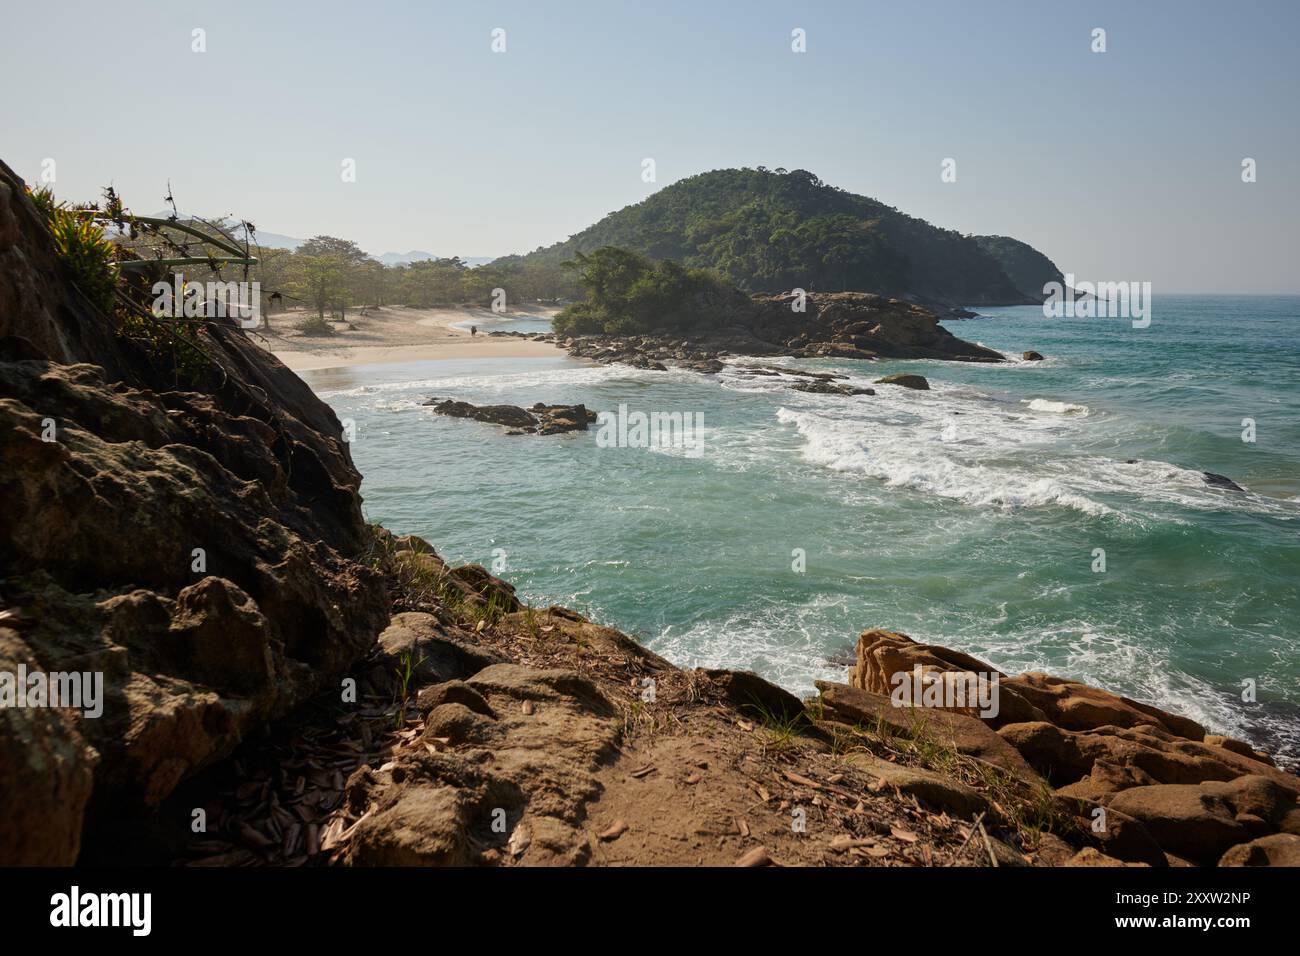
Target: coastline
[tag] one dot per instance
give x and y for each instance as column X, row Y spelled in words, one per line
column 400, row 334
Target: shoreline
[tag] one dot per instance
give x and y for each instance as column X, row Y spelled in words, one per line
column 400, row 334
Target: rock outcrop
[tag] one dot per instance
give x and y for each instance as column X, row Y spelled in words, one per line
column 1198, row 797
column 540, row 419
column 846, row 325
column 192, row 535
column 917, row 382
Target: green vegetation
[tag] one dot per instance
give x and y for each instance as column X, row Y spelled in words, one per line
column 773, row 230
column 115, row 278
column 329, row 276
column 82, row 246
column 628, row 293
column 1028, row 268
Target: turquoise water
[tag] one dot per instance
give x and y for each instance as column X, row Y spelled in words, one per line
column 966, row 516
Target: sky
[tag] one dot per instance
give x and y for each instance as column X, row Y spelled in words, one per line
column 1122, row 165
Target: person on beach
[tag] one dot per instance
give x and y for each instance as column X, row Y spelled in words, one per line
column 473, row 331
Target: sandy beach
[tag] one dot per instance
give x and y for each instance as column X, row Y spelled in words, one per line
column 400, row 334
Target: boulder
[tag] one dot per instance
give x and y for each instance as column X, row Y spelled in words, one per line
column 435, row 653
column 1032, row 356
column 966, row 735
column 904, row 380
column 1221, row 481
column 512, row 416
column 1279, row 849
column 1188, row 820
column 751, row 693
column 829, row 388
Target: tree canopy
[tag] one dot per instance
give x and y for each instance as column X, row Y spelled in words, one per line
column 771, row 231
column 626, row 292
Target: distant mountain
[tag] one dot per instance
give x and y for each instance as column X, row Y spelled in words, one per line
column 1028, row 268
column 773, row 230
column 274, row 240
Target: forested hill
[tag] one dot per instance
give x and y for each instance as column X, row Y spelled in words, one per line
column 1028, row 268
column 772, row 230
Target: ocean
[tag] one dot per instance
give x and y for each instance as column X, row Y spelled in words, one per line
column 977, row 515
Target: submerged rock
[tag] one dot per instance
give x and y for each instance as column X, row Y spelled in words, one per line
column 905, row 380
column 1221, row 481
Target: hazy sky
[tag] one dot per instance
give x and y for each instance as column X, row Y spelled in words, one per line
column 1119, row 165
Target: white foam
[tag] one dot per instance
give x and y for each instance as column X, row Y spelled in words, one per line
column 916, row 456
column 1060, row 408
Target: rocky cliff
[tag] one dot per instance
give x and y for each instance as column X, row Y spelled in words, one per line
column 194, row 536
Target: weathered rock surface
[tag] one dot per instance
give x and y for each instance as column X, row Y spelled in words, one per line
column 1159, row 780
column 965, row 735
column 918, row 382
column 830, row 388
column 194, row 536
column 1280, row 849
column 935, row 789
column 539, row 420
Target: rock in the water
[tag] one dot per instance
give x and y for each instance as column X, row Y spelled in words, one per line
column 512, row 416
column 541, row 419
column 1032, row 356
column 857, row 326
column 830, row 388
column 1221, row 481
column 905, row 380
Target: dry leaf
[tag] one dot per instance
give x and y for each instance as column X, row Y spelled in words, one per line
column 520, row 840
column 613, row 831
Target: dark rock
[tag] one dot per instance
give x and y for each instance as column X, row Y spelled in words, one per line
column 1221, row 481
column 828, row 388
column 541, row 419
column 750, row 692
column 231, row 454
column 1032, row 356
column 842, row 325
column 905, row 380
column 511, row 416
